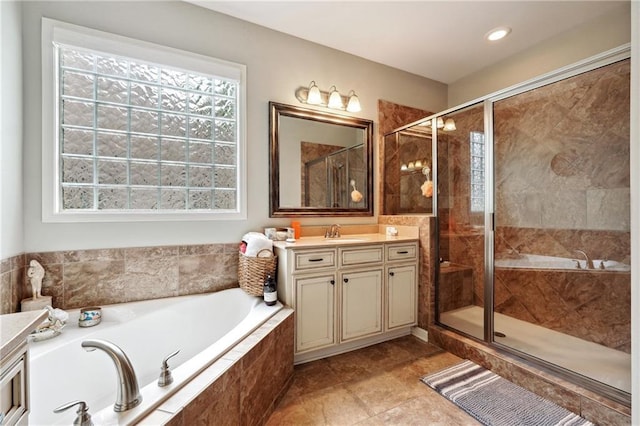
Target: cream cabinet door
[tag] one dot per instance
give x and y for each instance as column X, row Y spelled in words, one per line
column 361, row 303
column 315, row 312
column 401, row 296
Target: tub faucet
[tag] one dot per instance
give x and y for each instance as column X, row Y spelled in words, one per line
column 128, row 391
column 589, row 262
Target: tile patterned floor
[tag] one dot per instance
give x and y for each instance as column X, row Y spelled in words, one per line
column 378, row 385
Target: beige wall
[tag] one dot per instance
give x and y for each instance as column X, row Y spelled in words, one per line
column 276, row 63
column 612, row 30
column 10, row 131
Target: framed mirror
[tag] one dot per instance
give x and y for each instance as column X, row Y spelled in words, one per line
column 321, row 164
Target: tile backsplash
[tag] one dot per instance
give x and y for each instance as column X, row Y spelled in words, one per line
column 77, row 278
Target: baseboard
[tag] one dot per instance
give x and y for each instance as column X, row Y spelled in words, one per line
column 420, row 333
column 313, row 355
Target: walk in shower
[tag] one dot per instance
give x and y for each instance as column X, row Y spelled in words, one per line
column 533, row 213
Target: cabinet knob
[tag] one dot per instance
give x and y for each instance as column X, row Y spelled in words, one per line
column 346, row 280
column 391, row 273
column 333, row 282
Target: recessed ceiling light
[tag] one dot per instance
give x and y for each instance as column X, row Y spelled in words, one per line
column 497, row 33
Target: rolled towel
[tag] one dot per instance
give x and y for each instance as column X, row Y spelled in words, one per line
column 256, row 241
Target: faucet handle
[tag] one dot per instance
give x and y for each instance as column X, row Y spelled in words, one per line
column 166, row 378
column 83, row 418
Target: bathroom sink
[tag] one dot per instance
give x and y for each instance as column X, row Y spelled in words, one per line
column 344, row 240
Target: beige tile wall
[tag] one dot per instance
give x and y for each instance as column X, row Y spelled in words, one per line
column 77, row 278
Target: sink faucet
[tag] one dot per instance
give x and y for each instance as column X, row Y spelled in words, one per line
column 333, row 231
column 589, row 262
column 128, row 391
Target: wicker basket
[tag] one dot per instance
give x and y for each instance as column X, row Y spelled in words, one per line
column 253, row 271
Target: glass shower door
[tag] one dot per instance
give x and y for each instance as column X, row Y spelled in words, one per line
column 562, row 235
column 461, row 215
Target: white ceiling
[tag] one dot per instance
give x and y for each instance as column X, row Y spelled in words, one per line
column 441, row 40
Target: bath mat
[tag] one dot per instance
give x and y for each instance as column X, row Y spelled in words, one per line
column 494, row 401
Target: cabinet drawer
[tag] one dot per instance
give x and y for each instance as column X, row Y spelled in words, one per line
column 402, row 252
column 316, row 259
column 360, row 255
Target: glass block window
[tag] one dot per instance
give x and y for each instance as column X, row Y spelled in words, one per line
column 143, row 129
column 476, row 145
column 139, row 135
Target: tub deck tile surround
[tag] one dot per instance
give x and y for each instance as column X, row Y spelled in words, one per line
column 242, row 387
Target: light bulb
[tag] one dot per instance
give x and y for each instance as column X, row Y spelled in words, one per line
column 335, row 100
column 354, row 102
column 449, row 125
column 314, row 97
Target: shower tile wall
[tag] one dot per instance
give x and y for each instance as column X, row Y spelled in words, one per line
column 392, row 116
column 79, row 278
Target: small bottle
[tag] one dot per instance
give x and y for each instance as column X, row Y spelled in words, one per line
column 296, row 229
column 270, row 292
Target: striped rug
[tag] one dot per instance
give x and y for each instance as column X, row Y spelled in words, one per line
column 495, row 401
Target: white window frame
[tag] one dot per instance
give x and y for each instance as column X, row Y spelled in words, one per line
column 60, row 32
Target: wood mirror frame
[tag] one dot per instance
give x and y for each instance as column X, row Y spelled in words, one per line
column 281, row 112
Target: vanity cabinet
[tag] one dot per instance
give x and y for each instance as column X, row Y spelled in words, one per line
column 13, row 388
column 361, row 297
column 402, row 285
column 316, row 296
column 348, row 296
column 14, row 365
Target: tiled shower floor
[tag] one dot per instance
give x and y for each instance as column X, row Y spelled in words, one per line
column 598, row 362
column 377, row 385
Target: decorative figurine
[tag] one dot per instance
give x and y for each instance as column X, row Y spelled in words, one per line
column 35, row 272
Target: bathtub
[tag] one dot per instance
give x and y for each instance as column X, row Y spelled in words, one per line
column 536, row 261
column 202, row 327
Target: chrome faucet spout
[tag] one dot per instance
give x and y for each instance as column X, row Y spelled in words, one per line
column 589, row 262
column 128, row 395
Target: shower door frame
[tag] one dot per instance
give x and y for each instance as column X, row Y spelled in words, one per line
column 606, row 58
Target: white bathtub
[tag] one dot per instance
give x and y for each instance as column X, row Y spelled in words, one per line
column 203, row 327
column 535, row 261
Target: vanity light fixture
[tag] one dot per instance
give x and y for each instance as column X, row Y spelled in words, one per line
column 312, row 95
column 497, row 33
column 446, row 124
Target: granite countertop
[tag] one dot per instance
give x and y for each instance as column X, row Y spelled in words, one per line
column 344, row 240
column 14, row 328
